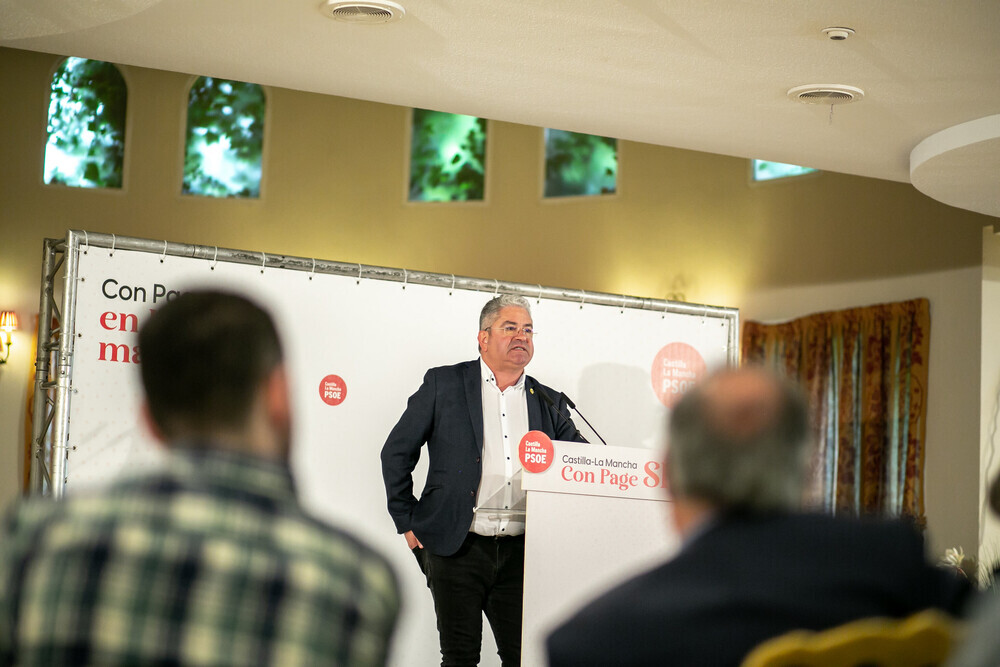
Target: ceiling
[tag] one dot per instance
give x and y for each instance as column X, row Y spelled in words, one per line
column 707, row 76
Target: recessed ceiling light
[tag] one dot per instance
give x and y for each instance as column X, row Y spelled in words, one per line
column 825, row 93
column 365, row 13
column 838, row 34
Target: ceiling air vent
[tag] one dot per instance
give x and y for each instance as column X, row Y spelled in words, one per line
column 365, row 13
column 825, row 94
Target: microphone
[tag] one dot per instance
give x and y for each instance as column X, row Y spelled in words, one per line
column 545, row 395
column 572, row 406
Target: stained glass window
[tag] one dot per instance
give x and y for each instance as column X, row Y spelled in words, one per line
column 769, row 171
column 447, row 157
column 579, row 164
column 225, row 138
column 85, row 147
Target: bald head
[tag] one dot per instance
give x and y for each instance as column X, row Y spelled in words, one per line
column 739, row 440
column 742, row 404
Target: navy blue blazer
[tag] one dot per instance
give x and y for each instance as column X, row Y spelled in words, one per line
column 446, row 413
column 748, row 579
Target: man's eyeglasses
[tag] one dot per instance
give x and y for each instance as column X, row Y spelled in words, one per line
column 511, row 330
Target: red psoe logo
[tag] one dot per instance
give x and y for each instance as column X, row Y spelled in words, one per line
column 677, row 367
column 536, row 451
column 333, row 390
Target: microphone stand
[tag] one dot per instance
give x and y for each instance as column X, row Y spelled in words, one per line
column 572, row 406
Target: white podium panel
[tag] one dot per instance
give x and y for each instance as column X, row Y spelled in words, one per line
column 595, row 516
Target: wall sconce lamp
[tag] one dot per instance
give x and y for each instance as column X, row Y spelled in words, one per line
column 8, row 323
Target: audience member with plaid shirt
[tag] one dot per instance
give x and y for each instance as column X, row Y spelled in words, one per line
column 209, row 560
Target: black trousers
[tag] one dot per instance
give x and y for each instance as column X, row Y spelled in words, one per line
column 486, row 575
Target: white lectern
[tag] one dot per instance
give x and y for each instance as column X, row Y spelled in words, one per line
column 596, row 515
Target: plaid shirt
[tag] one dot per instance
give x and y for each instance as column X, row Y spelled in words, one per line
column 208, row 562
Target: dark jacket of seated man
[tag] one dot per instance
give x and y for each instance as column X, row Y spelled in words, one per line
column 750, row 578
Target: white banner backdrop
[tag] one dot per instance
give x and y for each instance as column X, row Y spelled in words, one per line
column 357, row 349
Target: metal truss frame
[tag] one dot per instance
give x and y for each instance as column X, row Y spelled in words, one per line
column 46, row 393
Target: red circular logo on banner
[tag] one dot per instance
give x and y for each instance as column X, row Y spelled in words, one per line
column 536, row 451
column 676, row 368
column 333, row 390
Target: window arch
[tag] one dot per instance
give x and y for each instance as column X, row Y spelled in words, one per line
column 224, row 138
column 85, row 144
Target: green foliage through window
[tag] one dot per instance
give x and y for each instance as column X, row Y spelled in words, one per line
column 769, row 171
column 447, row 157
column 579, row 164
column 85, row 146
column 225, row 137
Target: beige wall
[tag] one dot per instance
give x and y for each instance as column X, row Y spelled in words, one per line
column 334, row 187
column 989, row 410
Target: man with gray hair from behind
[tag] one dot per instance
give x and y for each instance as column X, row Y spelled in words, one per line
column 753, row 565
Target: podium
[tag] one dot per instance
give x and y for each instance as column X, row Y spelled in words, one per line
column 596, row 515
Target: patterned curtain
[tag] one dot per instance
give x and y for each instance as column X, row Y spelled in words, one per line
column 865, row 373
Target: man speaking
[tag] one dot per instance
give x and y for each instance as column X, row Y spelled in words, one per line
column 472, row 416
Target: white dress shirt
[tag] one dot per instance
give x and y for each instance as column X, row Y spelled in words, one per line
column 505, row 421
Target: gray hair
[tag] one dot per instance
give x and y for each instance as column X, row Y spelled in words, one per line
column 492, row 308
column 740, row 441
